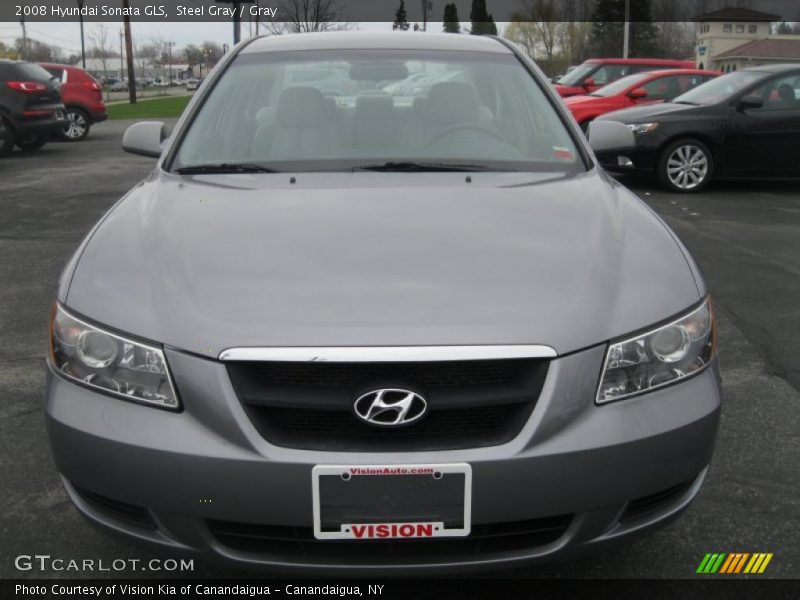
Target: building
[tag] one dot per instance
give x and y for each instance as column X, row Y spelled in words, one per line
column 732, row 38
column 775, row 49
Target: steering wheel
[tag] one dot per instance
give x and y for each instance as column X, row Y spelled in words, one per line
column 468, row 127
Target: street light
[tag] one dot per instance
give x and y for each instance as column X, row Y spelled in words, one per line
column 83, row 44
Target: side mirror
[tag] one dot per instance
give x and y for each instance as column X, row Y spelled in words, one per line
column 145, row 138
column 750, row 102
column 637, row 93
column 589, row 82
column 610, row 136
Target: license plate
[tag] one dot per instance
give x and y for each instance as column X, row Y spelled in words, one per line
column 374, row 502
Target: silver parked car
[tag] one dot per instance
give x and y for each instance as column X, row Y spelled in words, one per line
column 365, row 333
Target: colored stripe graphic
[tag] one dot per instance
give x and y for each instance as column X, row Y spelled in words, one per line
column 758, row 563
column 711, row 563
column 724, row 563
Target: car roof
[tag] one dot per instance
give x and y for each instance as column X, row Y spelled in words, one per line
column 361, row 40
column 638, row 61
column 780, row 68
column 60, row 66
column 665, row 72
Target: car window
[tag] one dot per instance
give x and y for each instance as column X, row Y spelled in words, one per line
column 608, row 73
column 31, row 72
column 620, row 85
column 781, row 93
column 300, row 111
column 59, row 74
column 669, row 88
column 578, row 74
column 720, row 89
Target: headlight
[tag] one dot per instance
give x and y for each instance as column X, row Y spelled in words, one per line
column 108, row 362
column 640, row 128
column 662, row 356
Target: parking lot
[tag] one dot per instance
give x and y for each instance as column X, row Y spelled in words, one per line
column 746, row 237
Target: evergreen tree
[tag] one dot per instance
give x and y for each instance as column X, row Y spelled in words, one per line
column 608, row 29
column 482, row 21
column 450, row 19
column 400, row 17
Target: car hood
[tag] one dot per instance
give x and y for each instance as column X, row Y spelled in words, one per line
column 569, row 90
column 207, row 263
column 638, row 114
column 587, row 101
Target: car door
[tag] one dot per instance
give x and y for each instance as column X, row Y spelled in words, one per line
column 765, row 141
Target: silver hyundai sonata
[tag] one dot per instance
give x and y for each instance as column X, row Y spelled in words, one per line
column 348, row 324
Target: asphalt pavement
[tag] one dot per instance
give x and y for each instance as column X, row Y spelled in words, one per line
column 746, row 237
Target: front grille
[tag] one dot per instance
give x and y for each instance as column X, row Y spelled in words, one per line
column 472, row 404
column 651, row 504
column 117, row 510
column 288, row 542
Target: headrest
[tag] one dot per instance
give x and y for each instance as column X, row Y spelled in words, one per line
column 418, row 106
column 266, row 116
column 374, row 107
column 453, row 102
column 786, row 92
column 302, row 108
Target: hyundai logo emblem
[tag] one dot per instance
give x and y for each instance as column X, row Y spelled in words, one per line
column 390, row 407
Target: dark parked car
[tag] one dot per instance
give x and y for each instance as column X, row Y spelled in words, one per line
column 83, row 97
column 741, row 125
column 30, row 106
column 635, row 90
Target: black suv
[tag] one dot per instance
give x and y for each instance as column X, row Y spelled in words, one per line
column 30, row 106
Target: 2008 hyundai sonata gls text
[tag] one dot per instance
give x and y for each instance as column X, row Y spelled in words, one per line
column 342, row 328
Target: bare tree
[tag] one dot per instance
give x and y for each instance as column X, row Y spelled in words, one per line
column 308, row 15
column 100, row 38
column 536, row 25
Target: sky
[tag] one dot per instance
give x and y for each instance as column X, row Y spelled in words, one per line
column 67, row 35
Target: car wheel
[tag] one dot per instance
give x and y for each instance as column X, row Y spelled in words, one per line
column 7, row 140
column 685, row 166
column 32, row 144
column 77, row 127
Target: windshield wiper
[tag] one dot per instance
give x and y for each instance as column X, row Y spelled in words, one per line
column 225, row 168
column 686, row 102
column 415, row 167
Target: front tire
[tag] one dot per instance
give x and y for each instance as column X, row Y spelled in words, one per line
column 32, row 144
column 77, row 127
column 7, row 139
column 685, row 166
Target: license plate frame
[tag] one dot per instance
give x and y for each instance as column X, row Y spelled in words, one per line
column 422, row 529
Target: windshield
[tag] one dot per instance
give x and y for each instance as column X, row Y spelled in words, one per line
column 720, row 89
column 309, row 111
column 32, row 72
column 578, row 74
column 620, row 85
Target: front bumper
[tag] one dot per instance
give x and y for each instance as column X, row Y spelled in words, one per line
column 208, row 464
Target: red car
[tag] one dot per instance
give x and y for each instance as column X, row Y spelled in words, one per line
column 597, row 72
column 635, row 90
column 82, row 96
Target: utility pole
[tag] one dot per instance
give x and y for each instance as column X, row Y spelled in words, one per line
column 129, row 51
column 169, row 46
column 626, row 36
column 83, row 43
column 121, row 55
column 426, row 6
column 24, row 39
